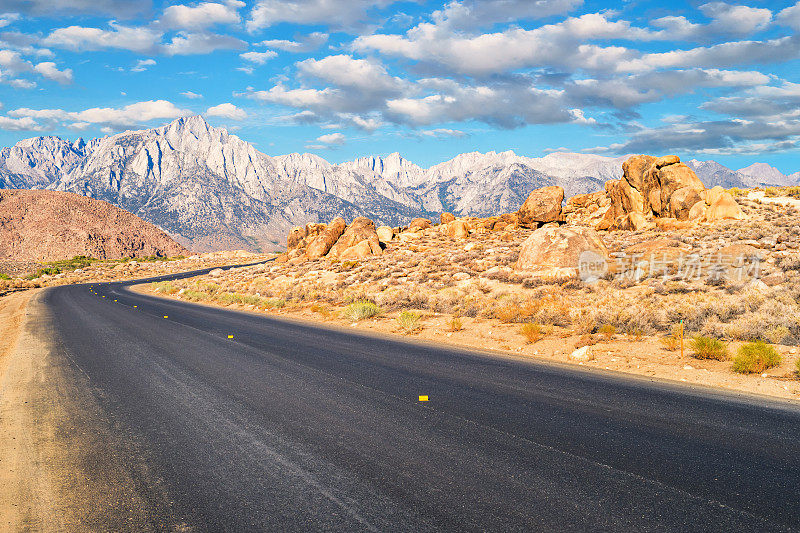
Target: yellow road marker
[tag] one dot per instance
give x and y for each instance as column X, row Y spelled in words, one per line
column 115, row 300
column 165, row 316
column 423, row 398
column 134, row 307
column 230, row 336
column 104, row 296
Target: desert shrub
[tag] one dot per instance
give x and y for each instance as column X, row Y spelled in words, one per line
column 165, row 287
column 194, row 296
column 321, row 309
column 709, row 348
column 4, row 276
column 532, row 332
column 797, row 367
column 636, row 334
column 456, row 324
column 755, row 357
column 409, row 321
column 672, row 341
column 79, row 261
column 360, row 310
column 778, row 334
column 607, row 330
column 788, row 263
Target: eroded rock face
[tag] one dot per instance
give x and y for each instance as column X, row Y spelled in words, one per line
column 542, row 206
column 419, row 224
column 554, row 251
column 361, row 230
column 660, row 187
column 323, row 242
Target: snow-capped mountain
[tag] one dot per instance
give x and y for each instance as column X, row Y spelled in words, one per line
column 213, row 190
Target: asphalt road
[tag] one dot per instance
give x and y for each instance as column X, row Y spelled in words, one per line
column 290, row 427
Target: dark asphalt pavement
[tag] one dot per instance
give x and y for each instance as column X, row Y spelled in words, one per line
column 289, row 427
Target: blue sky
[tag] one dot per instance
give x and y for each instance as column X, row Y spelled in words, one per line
column 428, row 79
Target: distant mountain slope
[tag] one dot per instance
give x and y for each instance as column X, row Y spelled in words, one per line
column 212, row 190
column 49, row 225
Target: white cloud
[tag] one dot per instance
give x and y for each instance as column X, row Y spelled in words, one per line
column 335, row 139
column 226, row 110
column 191, row 95
column 112, row 118
column 142, row 64
column 336, row 13
column 80, row 38
column 471, row 14
column 259, row 58
column 49, row 70
column 790, row 16
column 201, row 43
column 20, row 124
column 8, row 18
column 308, row 43
column 443, row 133
column 202, row 15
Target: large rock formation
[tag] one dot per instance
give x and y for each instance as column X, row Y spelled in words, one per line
column 659, row 187
column 48, row 225
column 555, row 251
column 358, row 241
column 542, row 206
column 336, row 240
column 323, row 242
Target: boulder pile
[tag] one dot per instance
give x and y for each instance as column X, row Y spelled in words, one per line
column 662, row 187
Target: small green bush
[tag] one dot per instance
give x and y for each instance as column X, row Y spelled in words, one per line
column 409, row 321
column 361, row 310
column 607, row 330
column 755, row 357
column 709, row 348
column 797, row 365
column 4, row 276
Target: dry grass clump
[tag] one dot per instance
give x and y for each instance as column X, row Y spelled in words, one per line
column 361, row 310
column 532, row 332
column 755, row 357
column 709, row 348
column 608, row 331
column 672, row 341
column 409, row 321
column 455, row 324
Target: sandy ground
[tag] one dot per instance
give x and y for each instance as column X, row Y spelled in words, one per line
column 645, row 357
column 59, row 465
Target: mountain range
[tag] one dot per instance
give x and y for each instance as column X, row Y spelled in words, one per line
column 211, row 190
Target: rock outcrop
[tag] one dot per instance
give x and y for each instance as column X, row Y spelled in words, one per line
column 40, row 225
column 358, row 241
column 660, row 187
column 554, row 251
column 323, row 242
column 542, row 206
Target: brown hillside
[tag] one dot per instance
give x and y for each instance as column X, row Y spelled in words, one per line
column 40, row 225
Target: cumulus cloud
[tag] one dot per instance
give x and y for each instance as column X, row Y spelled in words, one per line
column 259, row 58
column 308, row 43
column 201, row 43
column 80, row 38
column 49, row 70
column 20, row 124
column 108, row 117
column 190, row 95
column 790, row 16
column 140, row 39
column 334, row 13
column 226, row 110
column 472, row 14
column 201, row 16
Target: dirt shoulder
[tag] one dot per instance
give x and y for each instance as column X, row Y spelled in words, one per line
column 645, row 357
column 60, row 465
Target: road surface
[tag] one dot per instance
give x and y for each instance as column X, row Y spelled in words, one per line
column 289, row 427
